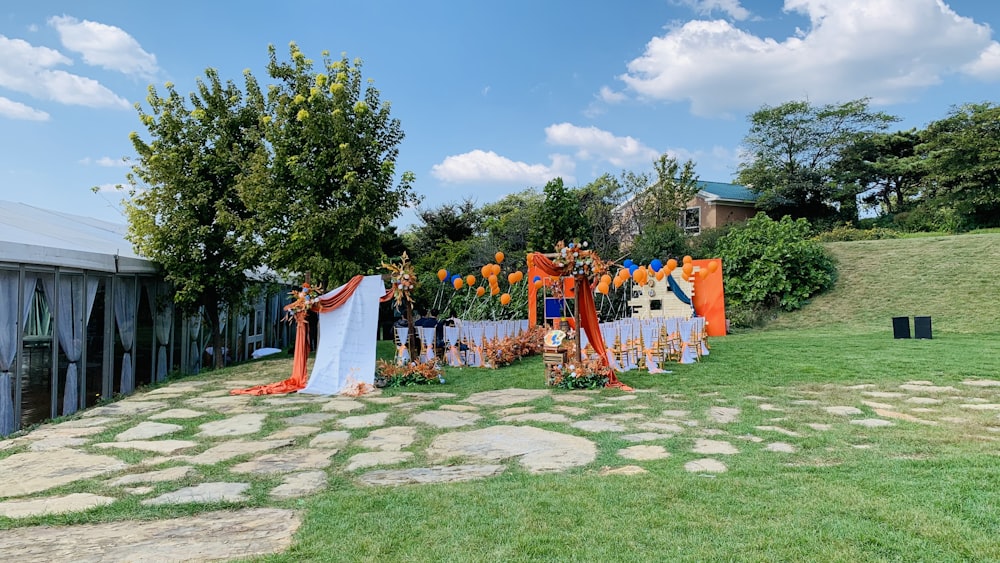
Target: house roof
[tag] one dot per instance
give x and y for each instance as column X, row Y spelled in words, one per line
column 719, row 191
column 35, row 236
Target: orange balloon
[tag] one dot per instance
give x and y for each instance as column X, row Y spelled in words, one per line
column 713, row 266
column 470, row 280
column 520, row 276
column 687, row 259
column 492, row 279
column 442, row 274
column 499, row 257
column 640, row 276
column 511, row 278
column 671, row 264
column 505, row 299
column 480, row 291
column 618, row 282
column 687, row 269
column 661, row 274
column 494, row 290
column 602, row 288
column 485, row 271
column 458, row 283
column 606, row 279
column 703, row 273
column 496, row 269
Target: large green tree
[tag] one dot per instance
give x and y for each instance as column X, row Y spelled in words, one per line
column 655, row 199
column 962, row 154
column 885, row 167
column 185, row 211
column 328, row 192
column 791, row 151
column 560, row 218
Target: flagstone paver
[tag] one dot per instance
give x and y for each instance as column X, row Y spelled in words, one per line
column 293, row 432
column 202, row 493
column 236, row 448
column 598, row 425
column 660, row 427
column 146, row 430
column 459, row 408
column 334, row 439
column 768, row 407
column 883, row 394
column 621, row 417
column 537, row 450
column 239, row 425
column 623, row 470
column 228, row 404
column 572, row 411
column 125, row 408
column 924, row 401
column 365, row 460
column 389, row 439
column 364, row 421
column 706, row 446
column 211, row 536
column 88, row 422
column 819, row 427
column 177, row 413
column 712, row 432
column 158, row 446
column 139, row 491
column 424, row 475
column 344, row 405
column 981, row 382
column 163, row 475
column 876, row 405
column 644, row 453
column 53, row 443
column 572, row 398
column 750, row 438
column 724, row 415
column 301, row 484
column 537, row 417
column 385, row 400
column 706, row 465
column 843, row 410
column 902, row 416
column 446, row 418
column 982, row 407
column 309, row 418
column 622, row 398
column 920, row 387
column 514, row 410
column 286, row 462
column 75, row 502
column 430, row 395
column 780, row 447
column 506, row 397
column 779, row 430
column 675, row 413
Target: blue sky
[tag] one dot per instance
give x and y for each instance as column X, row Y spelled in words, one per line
column 494, row 97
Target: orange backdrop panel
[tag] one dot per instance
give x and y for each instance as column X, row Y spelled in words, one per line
column 710, row 299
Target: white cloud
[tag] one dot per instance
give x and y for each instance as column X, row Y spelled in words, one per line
column 17, row 110
column 987, row 66
column 105, row 161
column 610, row 96
column 592, row 143
column 488, row 166
column 885, row 49
column 105, row 46
column 706, row 7
column 28, row 69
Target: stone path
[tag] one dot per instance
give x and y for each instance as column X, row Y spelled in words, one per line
column 193, row 444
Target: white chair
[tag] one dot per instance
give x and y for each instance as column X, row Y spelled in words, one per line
column 401, row 335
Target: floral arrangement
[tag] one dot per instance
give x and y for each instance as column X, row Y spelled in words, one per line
column 403, row 279
column 499, row 353
column 388, row 374
column 588, row 374
column 575, row 259
column 303, row 299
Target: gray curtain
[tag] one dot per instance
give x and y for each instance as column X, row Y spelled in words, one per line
column 162, row 310
column 11, row 322
column 125, row 310
column 73, row 308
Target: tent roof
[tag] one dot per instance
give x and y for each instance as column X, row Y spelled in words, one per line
column 35, row 236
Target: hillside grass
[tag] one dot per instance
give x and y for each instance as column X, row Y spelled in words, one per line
column 952, row 279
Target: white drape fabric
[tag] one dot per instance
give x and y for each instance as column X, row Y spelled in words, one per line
column 73, row 304
column 346, row 352
column 161, row 307
column 11, row 322
column 125, row 309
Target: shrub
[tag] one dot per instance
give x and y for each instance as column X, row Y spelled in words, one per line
column 773, row 264
column 848, row 233
column 659, row 241
column 706, row 243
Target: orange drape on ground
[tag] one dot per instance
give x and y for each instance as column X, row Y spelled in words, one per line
column 300, row 375
column 709, row 298
column 587, row 310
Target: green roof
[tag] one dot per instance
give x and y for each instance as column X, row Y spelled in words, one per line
column 732, row 192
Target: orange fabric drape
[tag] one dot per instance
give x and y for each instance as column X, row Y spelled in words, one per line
column 588, row 313
column 710, row 298
column 300, row 375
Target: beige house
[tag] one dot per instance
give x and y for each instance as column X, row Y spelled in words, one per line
column 716, row 204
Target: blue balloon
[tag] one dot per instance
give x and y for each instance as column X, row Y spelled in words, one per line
column 536, row 278
column 455, row 277
column 656, row 264
column 632, row 269
column 628, row 263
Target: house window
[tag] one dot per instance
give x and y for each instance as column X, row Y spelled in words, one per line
column 691, row 220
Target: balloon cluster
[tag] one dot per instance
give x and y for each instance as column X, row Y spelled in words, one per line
column 657, row 270
column 489, row 273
